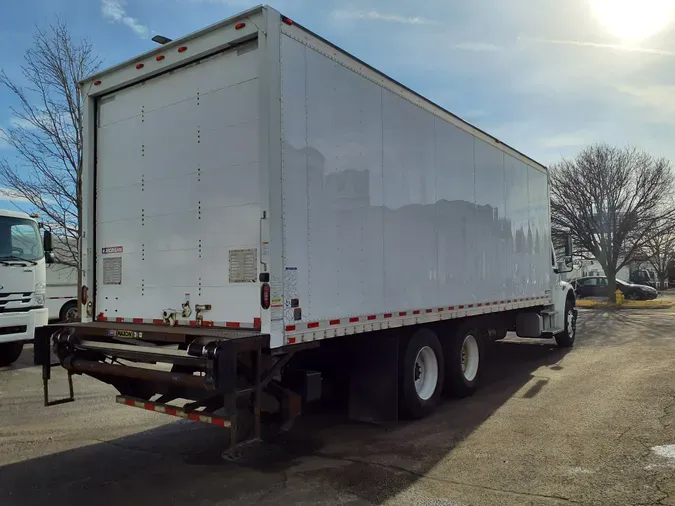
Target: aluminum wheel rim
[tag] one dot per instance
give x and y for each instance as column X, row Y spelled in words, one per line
column 470, row 358
column 425, row 373
column 570, row 324
column 71, row 314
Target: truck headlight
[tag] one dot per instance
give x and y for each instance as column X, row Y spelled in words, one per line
column 40, row 291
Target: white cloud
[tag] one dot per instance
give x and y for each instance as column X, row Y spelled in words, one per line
column 344, row 15
column 21, row 123
column 659, row 98
column 568, row 140
column 599, row 45
column 114, row 10
column 9, row 195
column 478, row 46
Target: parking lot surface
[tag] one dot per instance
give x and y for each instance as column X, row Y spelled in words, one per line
column 594, row 425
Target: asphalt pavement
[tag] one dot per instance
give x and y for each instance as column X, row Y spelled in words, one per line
column 594, row 425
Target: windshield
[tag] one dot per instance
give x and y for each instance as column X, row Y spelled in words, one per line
column 19, row 239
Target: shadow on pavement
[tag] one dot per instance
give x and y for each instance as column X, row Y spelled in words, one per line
column 322, row 459
column 612, row 327
column 25, row 360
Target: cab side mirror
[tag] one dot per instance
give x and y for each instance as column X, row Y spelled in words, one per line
column 47, row 241
column 47, row 245
column 569, row 246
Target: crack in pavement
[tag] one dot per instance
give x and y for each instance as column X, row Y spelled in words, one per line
column 666, row 411
column 657, row 484
column 445, row 480
column 130, row 448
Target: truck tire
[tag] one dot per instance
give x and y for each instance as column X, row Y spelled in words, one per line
column 9, row 353
column 421, row 376
column 464, row 360
column 565, row 339
column 69, row 312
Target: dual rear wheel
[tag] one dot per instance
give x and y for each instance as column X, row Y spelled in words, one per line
column 430, row 366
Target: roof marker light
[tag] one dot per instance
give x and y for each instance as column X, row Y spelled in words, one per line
column 239, row 26
column 161, row 39
column 139, row 65
column 96, row 83
column 159, row 57
column 182, row 49
column 286, row 20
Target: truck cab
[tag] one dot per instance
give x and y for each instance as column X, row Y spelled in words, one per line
column 22, row 282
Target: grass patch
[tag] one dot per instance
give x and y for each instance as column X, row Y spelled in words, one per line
column 628, row 304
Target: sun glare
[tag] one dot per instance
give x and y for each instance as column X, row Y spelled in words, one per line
column 634, row 20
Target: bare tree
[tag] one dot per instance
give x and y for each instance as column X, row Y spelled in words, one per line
column 659, row 251
column 46, row 132
column 612, row 201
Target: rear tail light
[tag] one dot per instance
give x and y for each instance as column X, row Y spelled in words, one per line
column 84, row 295
column 265, row 296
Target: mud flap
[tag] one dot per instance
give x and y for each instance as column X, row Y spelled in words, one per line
column 373, row 382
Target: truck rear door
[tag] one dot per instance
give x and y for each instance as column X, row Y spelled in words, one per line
column 178, row 200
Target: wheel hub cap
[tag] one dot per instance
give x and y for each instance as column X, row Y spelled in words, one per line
column 425, row 373
column 470, row 358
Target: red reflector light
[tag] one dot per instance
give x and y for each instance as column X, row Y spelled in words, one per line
column 265, row 296
column 239, row 26
column 96, row 83
column 84, row 294
column 139, row 65
column 159, row 57
column 286, row 20
column 182, row 49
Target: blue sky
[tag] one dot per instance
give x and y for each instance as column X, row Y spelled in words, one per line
column 546, row 76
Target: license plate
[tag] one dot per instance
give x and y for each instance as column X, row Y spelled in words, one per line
column 123, row 333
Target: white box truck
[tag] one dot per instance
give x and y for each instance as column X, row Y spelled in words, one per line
column 22, row 282
column 62, row 299
column 268, row 219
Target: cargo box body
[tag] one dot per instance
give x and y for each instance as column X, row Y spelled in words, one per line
column 246, row 158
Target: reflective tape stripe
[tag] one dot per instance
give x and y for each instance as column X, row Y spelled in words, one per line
column 189, row 323
column 174, row 411
column 301, row 332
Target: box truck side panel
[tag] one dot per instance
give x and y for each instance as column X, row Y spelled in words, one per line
column 332, row 184
column 389, row 207
column 178, row 203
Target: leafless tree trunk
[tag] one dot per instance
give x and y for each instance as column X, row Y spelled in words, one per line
column 46, row 133
column 613, row 202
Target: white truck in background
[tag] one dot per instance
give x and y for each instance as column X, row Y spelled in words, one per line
column 61, row 298
column 22, row 282
column 271, row 219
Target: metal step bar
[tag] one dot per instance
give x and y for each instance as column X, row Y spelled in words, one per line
column 209, row 366
column 167, row 409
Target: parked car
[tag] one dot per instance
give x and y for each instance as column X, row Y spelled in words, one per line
column 643, row 277
column 596, row 286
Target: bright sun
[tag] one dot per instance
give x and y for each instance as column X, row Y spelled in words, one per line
column 634, row 20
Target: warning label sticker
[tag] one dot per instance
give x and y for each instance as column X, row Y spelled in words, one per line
column 112, row 271
column 112, row 249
